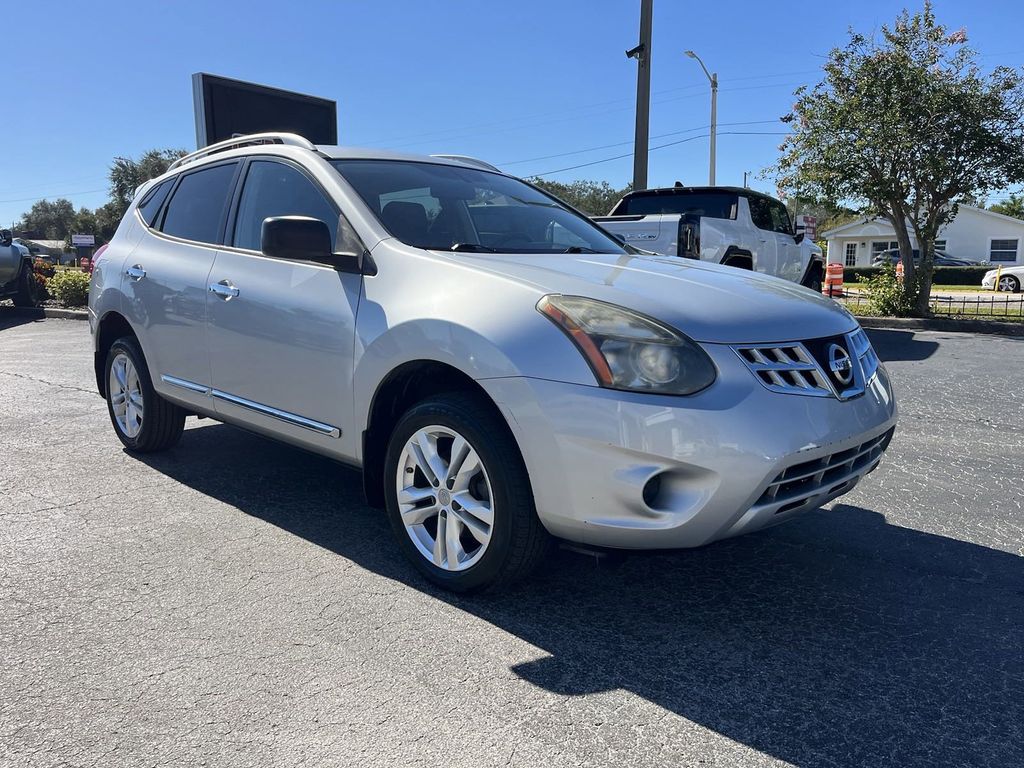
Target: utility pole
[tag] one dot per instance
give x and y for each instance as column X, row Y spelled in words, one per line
column 642, row 54
column 745, row 174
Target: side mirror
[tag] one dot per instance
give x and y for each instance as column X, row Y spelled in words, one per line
column 798, row 237
column 6, row 237
column 301, row 238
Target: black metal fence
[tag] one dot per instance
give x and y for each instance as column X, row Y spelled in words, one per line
column 991, row 305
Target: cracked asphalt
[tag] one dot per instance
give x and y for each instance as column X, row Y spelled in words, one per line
column 233, row 602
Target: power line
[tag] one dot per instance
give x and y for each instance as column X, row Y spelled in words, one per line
column 660, row 146
column 624, row 143
column 62, row 194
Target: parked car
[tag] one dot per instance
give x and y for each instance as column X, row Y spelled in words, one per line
column 1010, row 279
column 941, row 259
column 501, row 369
column 734, row 226
column 17, row 279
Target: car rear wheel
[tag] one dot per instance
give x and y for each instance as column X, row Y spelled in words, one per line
column 143, row 420
column 1009, row 284
column 30, row 292
column 459, row 498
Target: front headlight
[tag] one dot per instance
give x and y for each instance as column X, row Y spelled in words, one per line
column 629, row 351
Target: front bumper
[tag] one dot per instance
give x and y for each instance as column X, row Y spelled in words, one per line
column 989, row 281
column 732, row 459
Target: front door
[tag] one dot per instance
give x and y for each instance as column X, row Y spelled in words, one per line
column 281, row 332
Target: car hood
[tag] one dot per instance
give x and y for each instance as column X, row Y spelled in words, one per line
column 707, row 302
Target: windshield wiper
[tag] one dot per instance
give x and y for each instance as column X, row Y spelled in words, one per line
column 473, row 248
column 579, row 249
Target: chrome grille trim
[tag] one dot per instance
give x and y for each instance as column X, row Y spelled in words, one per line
column 790, row 369
column 785, row 368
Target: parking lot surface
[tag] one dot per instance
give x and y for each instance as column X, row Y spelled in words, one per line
column 233, row 602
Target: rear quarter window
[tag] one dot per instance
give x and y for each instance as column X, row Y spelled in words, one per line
column 713, row 205
column 196, row 210
column 150, row 205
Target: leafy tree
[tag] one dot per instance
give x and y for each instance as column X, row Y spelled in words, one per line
column 1012, row 206
column 127, row 174
column 903, row 126
column 52, row 220
column 592, row 197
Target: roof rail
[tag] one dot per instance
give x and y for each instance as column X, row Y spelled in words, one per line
column 235, row 142
column 467, row 160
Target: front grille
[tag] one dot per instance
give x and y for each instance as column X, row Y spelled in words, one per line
column 803, row 367
column 830, row 475
column 786, row 368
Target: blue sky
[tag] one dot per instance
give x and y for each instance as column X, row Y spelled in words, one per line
column 512, row 82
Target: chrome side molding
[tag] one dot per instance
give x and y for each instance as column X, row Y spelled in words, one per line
column 286, row 416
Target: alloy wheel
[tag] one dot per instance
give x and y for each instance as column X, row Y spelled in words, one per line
column 126, row 395
column 1007, row 284
column 445, row 498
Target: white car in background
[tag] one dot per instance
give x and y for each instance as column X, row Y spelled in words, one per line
column 1010, row 279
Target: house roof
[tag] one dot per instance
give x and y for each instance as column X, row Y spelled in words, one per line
column 58, row 244
column 879, row 221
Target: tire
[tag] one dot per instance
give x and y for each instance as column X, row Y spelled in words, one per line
column 814, row 278
column 149, row 423
column 1008, row 284
column 486, row 556
column 29, row 294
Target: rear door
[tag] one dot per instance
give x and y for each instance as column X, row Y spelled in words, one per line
column 789, row 259
column 165, row 277
column 766, row 258
column 281, row 332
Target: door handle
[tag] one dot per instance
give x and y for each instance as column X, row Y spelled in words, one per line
column 135, row 272
column 224, row 289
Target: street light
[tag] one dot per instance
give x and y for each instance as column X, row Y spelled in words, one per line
column 713, row 79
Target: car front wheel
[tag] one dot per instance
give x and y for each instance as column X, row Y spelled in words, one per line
column 1009, row 284
column 143, row 420
column 459, row 498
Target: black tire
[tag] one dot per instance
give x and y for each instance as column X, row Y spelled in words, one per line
column 1013, row 282
column 518, row 541
column 162, row 422
column 814, row 278
column 30, row 293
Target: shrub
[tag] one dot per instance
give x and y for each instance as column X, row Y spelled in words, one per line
column 888, row 296
column 69, row 287
column 43, row 267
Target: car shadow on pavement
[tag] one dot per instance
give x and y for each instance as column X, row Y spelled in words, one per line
column 11, row 317
column 836, row 639
column 901, row 345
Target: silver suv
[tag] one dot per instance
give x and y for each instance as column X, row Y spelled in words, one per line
column 503, row 371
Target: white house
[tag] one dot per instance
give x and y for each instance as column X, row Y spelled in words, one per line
column 974, row 234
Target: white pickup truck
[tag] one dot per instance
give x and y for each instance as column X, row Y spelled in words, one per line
column 727, row 225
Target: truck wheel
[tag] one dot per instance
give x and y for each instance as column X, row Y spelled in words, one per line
column 459, row 498
column 30, row 293
column 143, row 420
column 814, row 278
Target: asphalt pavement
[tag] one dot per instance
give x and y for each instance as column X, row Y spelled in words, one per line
column 233, row 602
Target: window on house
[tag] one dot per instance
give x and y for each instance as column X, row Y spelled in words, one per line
column 879, row 246
column 851, row 254
column 1003, row 250
column 940, row 245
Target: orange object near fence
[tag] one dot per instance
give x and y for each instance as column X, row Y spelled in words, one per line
column 899, row 271
column 833, row 285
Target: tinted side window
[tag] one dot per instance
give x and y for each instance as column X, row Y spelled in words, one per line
column 760, row 213
column 197, row 207
column 714, row 205
column 276, row 189
column 150, row 206
column 780, row 218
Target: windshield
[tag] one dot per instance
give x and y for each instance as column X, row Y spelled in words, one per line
column 443, row 207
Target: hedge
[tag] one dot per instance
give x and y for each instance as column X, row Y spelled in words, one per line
column 942, row 276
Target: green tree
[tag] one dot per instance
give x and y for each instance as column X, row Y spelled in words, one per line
column 1012, row 206
column 902, row 126
column 592, row 197
column 127, row 174
column 53, row 220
